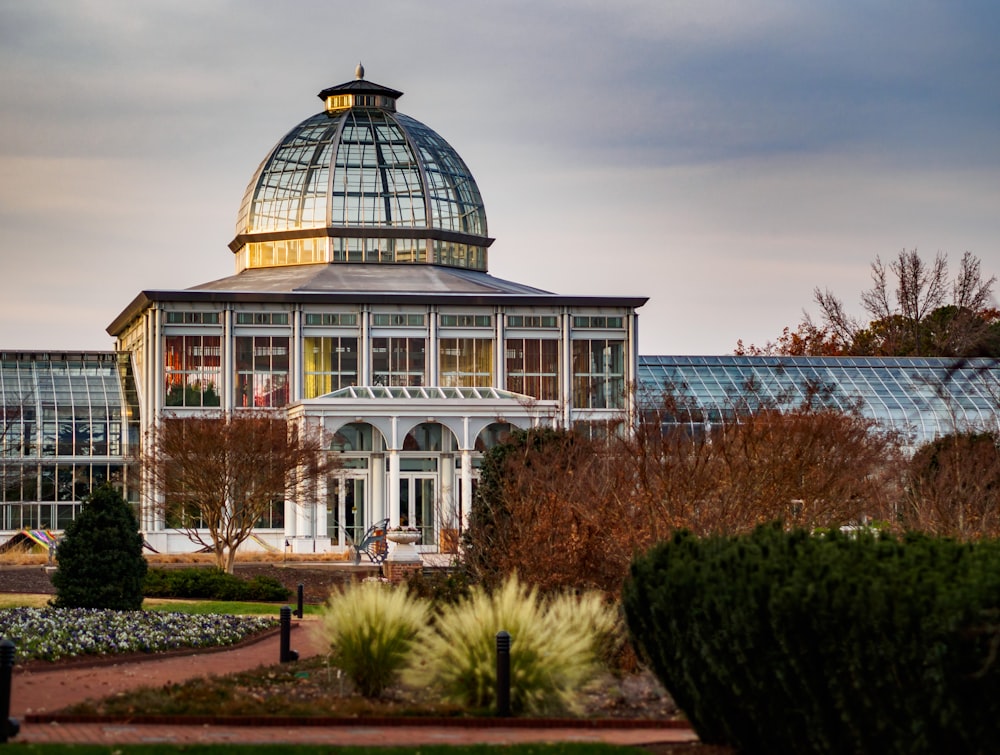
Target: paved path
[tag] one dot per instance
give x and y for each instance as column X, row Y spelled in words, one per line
column 38, row 691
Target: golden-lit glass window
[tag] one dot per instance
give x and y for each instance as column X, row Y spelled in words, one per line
column 329, row 364
column 465, row 362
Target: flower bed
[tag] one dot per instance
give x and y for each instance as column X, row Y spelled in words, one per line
column 54, row 633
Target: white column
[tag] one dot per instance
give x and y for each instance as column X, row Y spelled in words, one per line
column 228, row 362
column 466, row 486
column 295, row 360
column 448, row 502
column 322, row 493
column 567, row 368
column 365, row 348
column 378, row 509
column 291, row 530
column 303, row 518
column 156, row 370
column 393, row 497
column 393, row 488
column 433, row 362
column 632, row 378
column 499, row 349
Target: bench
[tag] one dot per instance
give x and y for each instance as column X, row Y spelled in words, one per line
column 373, row 544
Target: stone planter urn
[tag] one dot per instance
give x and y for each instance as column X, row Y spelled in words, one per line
column 402, row 537
column 403, row 548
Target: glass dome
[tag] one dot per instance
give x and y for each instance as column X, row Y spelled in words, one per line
column 360, row 182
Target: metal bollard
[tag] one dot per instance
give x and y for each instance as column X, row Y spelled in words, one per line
column 298, row 610
column 503, row 674
column 9, row 727
column 285, row 653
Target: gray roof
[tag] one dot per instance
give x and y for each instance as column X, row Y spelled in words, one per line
column 366, row 278
column 362, row 283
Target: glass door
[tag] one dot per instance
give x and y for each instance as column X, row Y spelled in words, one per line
column 417, row 503
column 347, row 508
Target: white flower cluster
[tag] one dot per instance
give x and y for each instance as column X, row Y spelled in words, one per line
column 53, row 633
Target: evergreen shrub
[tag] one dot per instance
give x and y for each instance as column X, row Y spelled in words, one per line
column 790, row 642
column 446, row 586
column 100, row 556
column 212, row 584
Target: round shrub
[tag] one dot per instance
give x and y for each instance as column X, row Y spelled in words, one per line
column 100, row 556
column 791, row 642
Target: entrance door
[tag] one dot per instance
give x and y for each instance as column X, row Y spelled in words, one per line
column 347, row 508
column 417, row 503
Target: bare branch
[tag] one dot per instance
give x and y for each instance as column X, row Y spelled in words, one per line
column 216, row 477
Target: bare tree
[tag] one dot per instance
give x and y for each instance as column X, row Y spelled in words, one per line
column 217, row 477
column 914, row 309
column 952, row 487
column 564, row 511
column 806, row 466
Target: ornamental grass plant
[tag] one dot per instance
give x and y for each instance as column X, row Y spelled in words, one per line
column 557, row 644
column 371, row 628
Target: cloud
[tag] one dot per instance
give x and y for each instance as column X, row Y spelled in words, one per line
column 722, row 158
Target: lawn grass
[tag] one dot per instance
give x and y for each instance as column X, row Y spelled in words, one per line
column 559, row 748
column 23, row 600
column 234, row 608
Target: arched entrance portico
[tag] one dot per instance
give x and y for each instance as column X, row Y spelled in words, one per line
column 407, row 455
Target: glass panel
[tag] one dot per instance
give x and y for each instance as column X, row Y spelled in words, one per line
column 398, row 361
column 353, row 524
column 598, row 373
column 192, row 370
column 330, row 364
column 424, row 505
column 533, row 367
column 465, row 362
column 262, row 371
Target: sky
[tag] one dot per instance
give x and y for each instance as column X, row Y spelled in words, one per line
column 722, row 158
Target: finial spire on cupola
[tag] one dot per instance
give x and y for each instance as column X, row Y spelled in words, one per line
column 360, row 93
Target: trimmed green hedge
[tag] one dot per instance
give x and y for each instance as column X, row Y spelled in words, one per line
column 212, row 584
column 783, row 642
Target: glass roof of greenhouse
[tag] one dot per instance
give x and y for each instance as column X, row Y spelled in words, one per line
column 60, row 404
column 381, row 183
column 921, row 398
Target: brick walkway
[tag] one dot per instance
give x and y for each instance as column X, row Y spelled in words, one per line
column 36, row 692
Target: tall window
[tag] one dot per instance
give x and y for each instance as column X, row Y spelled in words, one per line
column 598, row 373
column 330, row 363
column 465, row 362
column 192, row 368
column 261, row 371
column 533, row 367
column 398, row 361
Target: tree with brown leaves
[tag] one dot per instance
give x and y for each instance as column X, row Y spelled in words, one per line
column 914, row 308
column 216, row 477
column 553, row 507
column 564, row 511
column 807, row 466
column 952, row 487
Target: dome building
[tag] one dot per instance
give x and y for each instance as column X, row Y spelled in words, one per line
column 362, row 303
